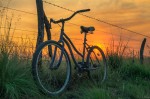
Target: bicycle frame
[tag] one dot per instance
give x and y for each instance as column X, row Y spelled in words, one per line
column 64, row 39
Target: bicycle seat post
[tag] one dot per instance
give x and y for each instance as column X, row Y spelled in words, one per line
column 84, row 46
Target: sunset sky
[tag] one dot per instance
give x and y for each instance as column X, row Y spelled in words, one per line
column 129, row 14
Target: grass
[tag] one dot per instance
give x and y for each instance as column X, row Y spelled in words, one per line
column 94, row 93
column 128, row 81
column 133, row 91
column 15, row 76
column 134, row 71
column 15, row 72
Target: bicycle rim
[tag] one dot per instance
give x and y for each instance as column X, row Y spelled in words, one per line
column 51, row 78
column 97, row 66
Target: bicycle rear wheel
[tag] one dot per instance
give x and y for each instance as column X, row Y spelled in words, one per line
column 97, row 66
column 51, row 72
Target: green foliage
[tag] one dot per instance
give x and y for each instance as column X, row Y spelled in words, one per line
column 94, row 93
column 114, row 61
column 115, row 53
column 87, row 93
column 132, row 91
column 15, row 74
column 15, row 77
column 133, row 71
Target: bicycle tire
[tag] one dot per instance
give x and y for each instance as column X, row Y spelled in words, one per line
column 100, row 75
column 38, row 70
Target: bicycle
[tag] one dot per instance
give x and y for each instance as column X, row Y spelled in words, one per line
column 52, row 68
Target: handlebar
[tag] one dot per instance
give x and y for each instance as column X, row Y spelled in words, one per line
column 66, row 19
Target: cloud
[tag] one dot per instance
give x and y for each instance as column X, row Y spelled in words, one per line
column 128, row 5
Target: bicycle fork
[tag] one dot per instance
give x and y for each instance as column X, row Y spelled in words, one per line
column 52, row 65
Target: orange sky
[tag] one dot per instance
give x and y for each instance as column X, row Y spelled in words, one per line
column 130, row 14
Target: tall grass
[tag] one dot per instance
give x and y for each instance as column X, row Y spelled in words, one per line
column 15, row 73
column 16, row 80
column 115, row 54
column 127, row 79
column 135, row 80
column 135, row 71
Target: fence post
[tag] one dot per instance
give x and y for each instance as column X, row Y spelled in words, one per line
column 133, row 56
column 40, row 15
column 48, row 27
column 142, row 50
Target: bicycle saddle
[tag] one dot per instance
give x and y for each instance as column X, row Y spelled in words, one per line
column 87, row 29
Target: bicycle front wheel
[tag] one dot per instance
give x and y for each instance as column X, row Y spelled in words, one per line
column 97, row 66
column 51, row 71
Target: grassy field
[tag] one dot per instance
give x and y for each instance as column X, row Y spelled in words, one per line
column 126, row 80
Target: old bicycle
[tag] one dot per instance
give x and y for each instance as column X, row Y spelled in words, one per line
column 52, row 68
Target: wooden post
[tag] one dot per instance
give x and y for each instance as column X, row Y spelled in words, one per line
column 40, row 13
column 133, row 56
column 42, row 19
column 142, row 51
column 47, row 27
